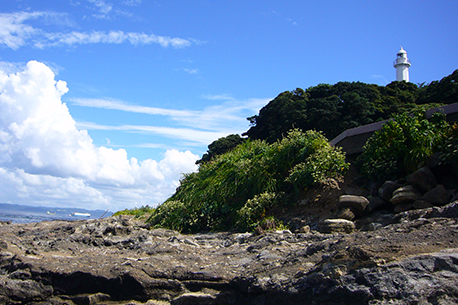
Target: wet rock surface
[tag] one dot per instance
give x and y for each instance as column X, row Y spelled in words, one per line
column 407, row 258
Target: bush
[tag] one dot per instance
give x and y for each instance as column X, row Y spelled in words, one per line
column 255, row 210
column 403, row 145
column 217, row 197
column 448, row 150
column 137, row 212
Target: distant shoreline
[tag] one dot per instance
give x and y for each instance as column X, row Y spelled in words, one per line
column 17, row 213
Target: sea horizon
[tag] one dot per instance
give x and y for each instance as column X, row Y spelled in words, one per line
column 18, row 213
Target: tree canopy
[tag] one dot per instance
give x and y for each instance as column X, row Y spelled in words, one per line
column 335, row 108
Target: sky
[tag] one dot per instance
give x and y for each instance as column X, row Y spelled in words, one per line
column 106, row 104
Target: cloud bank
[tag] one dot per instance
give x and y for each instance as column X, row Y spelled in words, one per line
column 45, row 159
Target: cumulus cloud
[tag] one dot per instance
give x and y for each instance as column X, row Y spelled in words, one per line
column 45, row 158
column 15, row 32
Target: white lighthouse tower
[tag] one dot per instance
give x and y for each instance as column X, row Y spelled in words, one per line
column 402, row 64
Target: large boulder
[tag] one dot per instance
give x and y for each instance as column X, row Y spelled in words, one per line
column 437, row 196
column 405, row 195
column 387, row 189
column 336, row 226
column 377, row 203
column 356, row 203
column 423, row 179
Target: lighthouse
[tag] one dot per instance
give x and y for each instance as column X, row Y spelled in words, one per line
column 402, row 64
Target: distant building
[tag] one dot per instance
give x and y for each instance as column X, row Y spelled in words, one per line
column 402, row 64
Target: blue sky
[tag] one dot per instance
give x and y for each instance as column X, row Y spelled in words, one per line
column 144, row 86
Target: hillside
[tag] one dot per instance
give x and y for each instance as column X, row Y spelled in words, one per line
column 252, row 183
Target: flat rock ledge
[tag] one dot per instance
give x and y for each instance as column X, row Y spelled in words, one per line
column 411, row 260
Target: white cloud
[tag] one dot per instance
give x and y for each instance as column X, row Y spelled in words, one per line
column 132, row 2
column 13, row 31
column 112, row 37
column 204, row 126
column 46, row 159
column 103, row 7
column 16, row 33
column 122, row 106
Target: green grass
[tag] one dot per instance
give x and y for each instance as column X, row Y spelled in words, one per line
column 236, row 190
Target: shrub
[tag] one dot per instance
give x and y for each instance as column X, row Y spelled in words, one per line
column 448, row 150
column 402, row 145
column 255, row 210
column 236, row 187
column 137, row 212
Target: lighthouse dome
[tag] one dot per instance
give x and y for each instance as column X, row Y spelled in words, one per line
column 401, row 51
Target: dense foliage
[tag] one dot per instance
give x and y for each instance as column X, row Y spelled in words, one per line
column 221, row 146
column 335, row 108
column 404, row 144
column 137, row 212
column 237, row 189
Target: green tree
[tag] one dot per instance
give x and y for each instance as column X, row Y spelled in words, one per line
column 221, row 146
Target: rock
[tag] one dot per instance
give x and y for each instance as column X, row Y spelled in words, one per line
column 401, row 207
column 404, row 282
column 356, row 203
column 437, row 196
column 24, row 291
column 304, row 229
column 405, row 194
column 421, row 204
column 374, row 226
column 158, row 266
column 449, row 211
column 346, row 213
column 387, row 189
column 423, row 179
column 377, row 203
column 91, row 299
column 194, row 298
column 336, row 226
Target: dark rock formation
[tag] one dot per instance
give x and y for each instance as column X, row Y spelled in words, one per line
column 407, row 258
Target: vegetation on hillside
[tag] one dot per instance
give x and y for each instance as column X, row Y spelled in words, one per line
column 237, row 189
column 404, row 144
column 335, row 108
column 140, row 212
column 241, row 180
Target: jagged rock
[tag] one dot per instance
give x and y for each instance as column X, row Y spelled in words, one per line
column 387, row 189
column 336, row 226
column 346, row 213
column 423, row 179
column 356, row 203
column 437, row 196
column 404, row 282
column 24, row 291
column 160, row 267
column 405, row 194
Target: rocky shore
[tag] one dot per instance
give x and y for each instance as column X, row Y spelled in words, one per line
column 409, row 258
